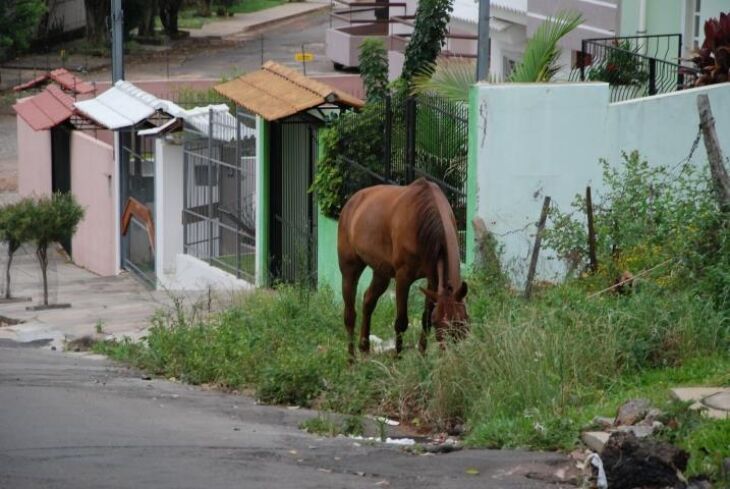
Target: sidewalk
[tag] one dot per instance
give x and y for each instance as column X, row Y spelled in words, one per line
column 118, row 306
column 242, row 24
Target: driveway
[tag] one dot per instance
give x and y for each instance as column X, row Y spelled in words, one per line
column 71, row 421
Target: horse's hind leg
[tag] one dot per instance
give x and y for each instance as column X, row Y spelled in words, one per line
column 378, row 285
column 351, row 272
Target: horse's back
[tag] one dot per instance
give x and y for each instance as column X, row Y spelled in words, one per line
column 364, row 229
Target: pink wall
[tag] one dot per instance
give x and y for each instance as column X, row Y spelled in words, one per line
column 92, row 169
column 34, row 160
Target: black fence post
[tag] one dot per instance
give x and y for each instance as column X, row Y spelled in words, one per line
column 582, row 60
column 652, row 76
column 387, row 136
column 410, row 139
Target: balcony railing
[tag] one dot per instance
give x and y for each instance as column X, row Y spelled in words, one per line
column 635, row 66
column 456, row 44
column 369, row 12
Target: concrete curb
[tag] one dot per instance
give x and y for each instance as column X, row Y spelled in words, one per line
column 281, row 20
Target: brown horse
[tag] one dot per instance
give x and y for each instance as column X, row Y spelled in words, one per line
column 407, row 233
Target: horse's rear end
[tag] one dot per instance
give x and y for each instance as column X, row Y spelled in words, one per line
column 404, row 233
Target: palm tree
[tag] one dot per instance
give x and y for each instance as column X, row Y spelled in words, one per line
column 451, row 79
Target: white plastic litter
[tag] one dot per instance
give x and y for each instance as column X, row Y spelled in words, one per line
column 596, row 461
column 388, row 421
column 389, row 441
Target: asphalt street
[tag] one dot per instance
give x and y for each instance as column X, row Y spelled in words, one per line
column 70, row 421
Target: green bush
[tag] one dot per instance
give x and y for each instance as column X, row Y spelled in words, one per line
column 374, row 68
column 18, row 23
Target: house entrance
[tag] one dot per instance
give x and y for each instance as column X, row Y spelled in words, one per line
column 293, row 226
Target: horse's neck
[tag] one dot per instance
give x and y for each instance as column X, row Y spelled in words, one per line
column 448, row 267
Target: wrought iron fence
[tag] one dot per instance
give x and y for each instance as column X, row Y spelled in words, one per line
column 424, row 136
column 220, row 191
column 635, row 66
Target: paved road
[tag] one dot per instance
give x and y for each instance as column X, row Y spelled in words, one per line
column 68, row 421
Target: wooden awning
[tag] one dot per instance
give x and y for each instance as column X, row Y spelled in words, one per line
column 275, row 92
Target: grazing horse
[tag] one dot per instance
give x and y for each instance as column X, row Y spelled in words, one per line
column 406, row 233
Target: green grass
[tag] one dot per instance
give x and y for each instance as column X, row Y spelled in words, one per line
column 191, row 18
column 248, row 6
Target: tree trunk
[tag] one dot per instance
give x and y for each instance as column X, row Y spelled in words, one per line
column 720, row 179
column 11, row 251
column 169, row 10
column 97, row 12
column 146, row 26
column 42, row 254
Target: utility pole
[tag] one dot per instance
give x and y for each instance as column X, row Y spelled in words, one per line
column 483, row 44
column 117, row 41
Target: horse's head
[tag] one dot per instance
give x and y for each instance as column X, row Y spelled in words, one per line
column 449, row 314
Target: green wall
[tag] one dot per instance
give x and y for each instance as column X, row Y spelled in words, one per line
column 262, row 202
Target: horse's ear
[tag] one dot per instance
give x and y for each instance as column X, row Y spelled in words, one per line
column 461, row 293
column 430, row 294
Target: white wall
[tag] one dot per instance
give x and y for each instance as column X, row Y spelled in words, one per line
column 535, row 140
column 168, row 205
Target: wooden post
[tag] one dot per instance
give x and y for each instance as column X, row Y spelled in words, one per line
column 536, row 247
column 591, row 232
column 720, row 179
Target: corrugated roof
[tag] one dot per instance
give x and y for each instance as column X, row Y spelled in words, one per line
column 468, row 10
column 67, row 80
column 275, row 92
column 198, row 120
column 125, row 105
column 46, row 109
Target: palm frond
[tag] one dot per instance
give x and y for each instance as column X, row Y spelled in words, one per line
column 539, row 63
column 449, row 78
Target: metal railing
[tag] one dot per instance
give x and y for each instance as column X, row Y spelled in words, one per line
column 219, row 192
column 634, row 66
column 424, row 136
column 364, row 12
column 399, row 41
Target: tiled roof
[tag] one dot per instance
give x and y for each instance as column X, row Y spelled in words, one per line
column 275, row 92
column 65, row 79
column 46, row 109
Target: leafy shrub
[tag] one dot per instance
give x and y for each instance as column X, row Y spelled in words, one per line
column 18, row 23
column 712, row 58
column 429, row 33
column 621, row 66
column 374, row 68
column 16, row 228
column 646, row 216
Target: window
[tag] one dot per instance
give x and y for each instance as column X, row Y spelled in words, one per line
column 696, row 24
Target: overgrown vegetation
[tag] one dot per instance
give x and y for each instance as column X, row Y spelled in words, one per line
column 429, row 33
column 712, row 58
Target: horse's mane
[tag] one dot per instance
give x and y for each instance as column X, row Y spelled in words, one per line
column 431, row 232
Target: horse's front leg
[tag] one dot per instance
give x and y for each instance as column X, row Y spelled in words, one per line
column 428, row 306
column 403, row 281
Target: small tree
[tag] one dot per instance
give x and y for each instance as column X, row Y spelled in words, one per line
column 54, row 219
column 15, row 229
column 374, row 68
column 429, row 33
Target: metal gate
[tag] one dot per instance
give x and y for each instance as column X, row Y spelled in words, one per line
column 424, row 136
column 293, row 226
column 219, row 196
column 138, row 205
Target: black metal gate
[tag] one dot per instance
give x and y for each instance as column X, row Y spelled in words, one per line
column 61, row 165
column 293, row 225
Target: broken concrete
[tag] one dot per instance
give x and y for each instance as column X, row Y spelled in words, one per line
column 714, row 402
